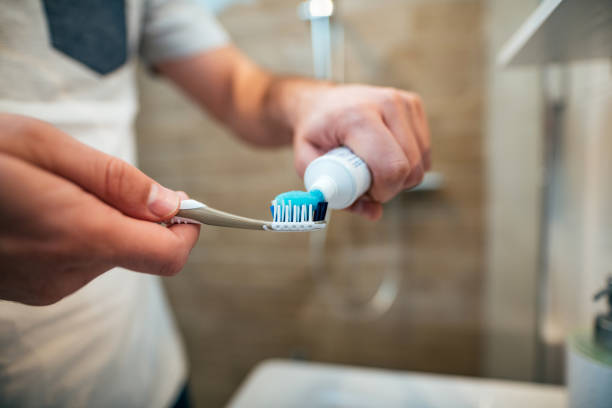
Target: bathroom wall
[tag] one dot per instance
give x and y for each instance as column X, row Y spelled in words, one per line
column 247, row 296
column 580, row 220
column 561, row 110
column 513, row 146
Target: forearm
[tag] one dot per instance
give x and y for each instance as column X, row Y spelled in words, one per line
column 258, row 106
column 259, row 110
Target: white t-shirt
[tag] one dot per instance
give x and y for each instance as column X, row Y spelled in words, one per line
column 72, row 63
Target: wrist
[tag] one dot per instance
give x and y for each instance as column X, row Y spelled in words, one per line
column 294, row 99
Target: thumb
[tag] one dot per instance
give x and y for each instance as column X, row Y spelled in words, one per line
column 131, row 191
column 111, row 179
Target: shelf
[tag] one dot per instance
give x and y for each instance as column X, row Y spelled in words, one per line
column 561, row 31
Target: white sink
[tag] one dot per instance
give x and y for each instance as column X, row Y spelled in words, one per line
column 289, row 384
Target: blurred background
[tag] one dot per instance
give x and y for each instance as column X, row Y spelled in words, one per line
column 483, row 274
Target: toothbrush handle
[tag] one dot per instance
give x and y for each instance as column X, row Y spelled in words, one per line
column 211, row 216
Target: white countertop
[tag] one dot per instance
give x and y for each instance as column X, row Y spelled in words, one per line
column 291, row 384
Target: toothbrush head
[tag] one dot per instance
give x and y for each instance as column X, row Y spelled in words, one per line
column 298, row 211
column 286, row 219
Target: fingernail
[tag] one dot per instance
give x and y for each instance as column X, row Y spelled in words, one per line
column 162, row 202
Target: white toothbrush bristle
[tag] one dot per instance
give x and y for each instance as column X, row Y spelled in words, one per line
column 274, row 214
column 290, row 217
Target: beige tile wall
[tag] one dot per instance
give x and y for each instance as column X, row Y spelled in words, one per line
column 247, row 296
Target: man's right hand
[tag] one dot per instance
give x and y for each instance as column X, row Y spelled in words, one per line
column 68, row 213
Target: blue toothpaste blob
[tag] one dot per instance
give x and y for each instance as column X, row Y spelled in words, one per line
column 300, row 198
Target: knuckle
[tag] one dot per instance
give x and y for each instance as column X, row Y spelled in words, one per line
column 413, row 98
column 35, row 139
column 416, row 176
column 396, row 97
column 392, row 100
column 416, row 103
column 114, row 176
column 34, row 133
column 29, row 127
column 355, row 117
column 395, row 172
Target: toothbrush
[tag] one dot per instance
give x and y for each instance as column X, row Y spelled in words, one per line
column 336, row 179
column 285, row 217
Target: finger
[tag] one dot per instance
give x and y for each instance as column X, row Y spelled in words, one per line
column 374, row 143
column 188, row 234
column 48, row 206
column 35, row 203
column 401, row 124
column 114, row 181
column 367, row 208
column 149, row 247
column 414, row 105
column 74, row 236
